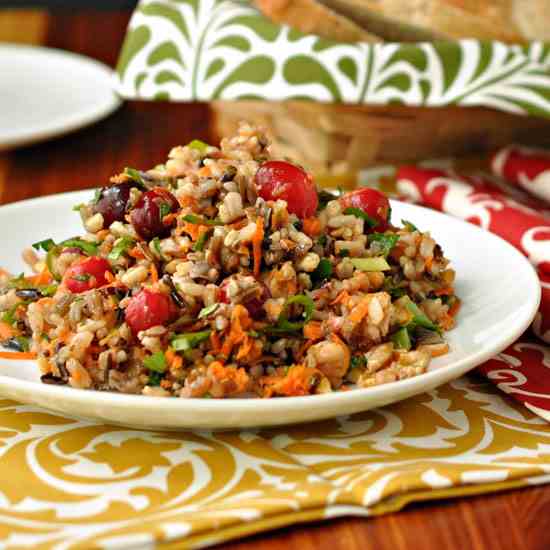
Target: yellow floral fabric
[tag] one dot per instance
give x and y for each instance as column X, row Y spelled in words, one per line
column 67, row 483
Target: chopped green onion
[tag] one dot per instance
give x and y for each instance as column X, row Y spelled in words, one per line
column 358, row 361
column 51, row 258
column 48, row 290
column 120, row 248
column 402, row 339
column 164, row 210
column 20, row 282
column 155, row 362
column 409, row 226
column 344, row 253
column 9, row 315
column 322, row 271
column 134, row 175
column 309, row 306
column 386, row 242
column 208, row 310
column 87, row 247
column 358, row 213
column 77, row 207
column 378, row 263
column 419, row 317
column 198, row 145
column 84, row 277
column 322, row 240
column 154, row 378
column 97, row 195
column 45, row 245
column 23, row 342
column 190, row 340
column 201, row 241
column 156, row 245
column 199, row 220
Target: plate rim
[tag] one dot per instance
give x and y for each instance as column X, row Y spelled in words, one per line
column 59, row 130
column 218, row 407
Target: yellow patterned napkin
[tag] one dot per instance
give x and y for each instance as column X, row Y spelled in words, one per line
column 68, row 483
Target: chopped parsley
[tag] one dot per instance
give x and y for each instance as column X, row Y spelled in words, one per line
column 156, row 245
column 384, row 241
column 155, row 362
column 208, row 310
column 409, row 226
column 155, row 378
column 199, row 220
column 44, row 245
column 97, row 195
column 322, row 271
column 120, row 248
column 358, row 361
column 134, row 175
column 164, row 210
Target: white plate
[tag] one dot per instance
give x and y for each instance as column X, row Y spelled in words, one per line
column 499, row 289
column 46, row 93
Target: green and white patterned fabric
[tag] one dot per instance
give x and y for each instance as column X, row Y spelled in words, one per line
column 189, row 50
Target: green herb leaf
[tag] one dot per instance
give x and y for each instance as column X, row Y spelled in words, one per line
column 51, row 259
column 322, row 271
column 208, row 310
column 121, row 247
column 344, row 253
column 156, row 245
column 201, row 241
column 377, row 263
column 190, row 340
column 87, row 247
column 419, row 317
column 77, row 207
column 402, row 339
column 134, row 175
column 358, row 213
column 409, row 226
column 164, row 210
column 358, row 361
column 97, row 195
column 44, row 245
column 322, row 240
column 309, row 306
column 19, row 282
column 84, row 277
column 199, row 220
column 48, row 290
column 386, row 242
column 9, row 315
column 155, row 362
column 198, row 145
column 155, row 378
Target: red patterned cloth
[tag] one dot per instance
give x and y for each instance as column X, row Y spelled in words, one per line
column 523, row 369
column 524, row 167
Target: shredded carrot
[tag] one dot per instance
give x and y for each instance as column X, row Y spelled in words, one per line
column 341, row 298
column 44, row 277
column 19, row 355
column 360, row 310
column 188, row 201
column 297, row 381
column 446, row 291
column 238, row 376
column 170, row 354
column 215, row 342
column 169, row 218
column 313, row 331
column 194, row 230
column 239, row 224
column 240, row 322
column 312, row 227
column 175, row 362
column 205, row 172
column 455, row 307
column 6, row 331
column 245, row 349
column 44, row 301
column 257, row 246
column 136, row 253
column 154, row 273
column 109, row 277
column 102, row 234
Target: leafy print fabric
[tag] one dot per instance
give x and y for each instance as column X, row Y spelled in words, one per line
column 188, row 50
column 72, row 484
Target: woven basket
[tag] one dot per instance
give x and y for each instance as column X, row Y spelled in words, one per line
column 339, row 139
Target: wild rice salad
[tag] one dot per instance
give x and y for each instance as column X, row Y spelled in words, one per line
column 226, row 273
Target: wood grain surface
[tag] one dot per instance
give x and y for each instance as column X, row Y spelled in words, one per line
column 140, row 135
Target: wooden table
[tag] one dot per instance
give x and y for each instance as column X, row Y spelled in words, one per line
column 140, row 135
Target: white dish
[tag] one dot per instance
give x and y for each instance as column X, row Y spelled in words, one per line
column 46, row 93
column 499, row 289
